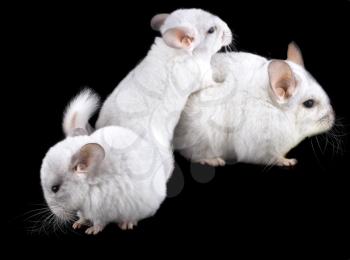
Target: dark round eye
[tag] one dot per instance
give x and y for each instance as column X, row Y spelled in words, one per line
column 212, row 29
column 309, row 103
column 55, row 188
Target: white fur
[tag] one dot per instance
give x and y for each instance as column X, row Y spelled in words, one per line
column 150, row 99
column 127, row 186
column 79, row 110
column 241, row 120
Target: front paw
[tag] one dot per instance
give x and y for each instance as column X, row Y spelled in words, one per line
column 94, row 230
column 284, row 162
column 80, row 222
column 214, row 162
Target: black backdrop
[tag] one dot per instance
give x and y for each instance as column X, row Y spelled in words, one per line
column 55, row 50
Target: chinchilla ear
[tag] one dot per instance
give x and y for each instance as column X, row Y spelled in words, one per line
column 158, row 20
column 181, row 38
column 282, row 81
column 294, row 54
column 88, row 158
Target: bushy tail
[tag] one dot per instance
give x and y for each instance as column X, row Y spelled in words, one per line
column 79, row 111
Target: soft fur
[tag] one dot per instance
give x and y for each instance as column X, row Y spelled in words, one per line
column 79, row 111
column 150, row 99
column 113, row 175
column 257, row 115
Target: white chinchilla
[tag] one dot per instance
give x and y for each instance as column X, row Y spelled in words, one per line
column 263, row 109
column 150, row 99
column 110, row 176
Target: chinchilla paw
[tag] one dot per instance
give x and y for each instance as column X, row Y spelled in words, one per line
column 213, row 162
column 284, row 162
column 94, row 230
column 80, row 222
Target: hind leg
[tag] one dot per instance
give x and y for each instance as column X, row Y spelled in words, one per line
column 127, row 225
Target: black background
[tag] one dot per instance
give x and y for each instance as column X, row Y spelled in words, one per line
column 55, row 50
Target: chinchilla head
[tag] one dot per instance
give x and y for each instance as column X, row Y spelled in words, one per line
column 66, row 173
column 194, row 30
column 294, row 91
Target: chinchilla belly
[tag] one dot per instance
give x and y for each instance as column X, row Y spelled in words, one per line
column 132, row 204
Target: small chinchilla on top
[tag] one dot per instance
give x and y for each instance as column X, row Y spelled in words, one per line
column 263, row 109
column 149, row 100
column 110, row 176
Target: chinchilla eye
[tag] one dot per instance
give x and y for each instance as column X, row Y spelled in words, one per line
column 212, row 29
column 309, row 103
column 55, row 188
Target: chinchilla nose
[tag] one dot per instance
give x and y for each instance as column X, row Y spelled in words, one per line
column 331, row 111
column 331, row 115
column 226, row 38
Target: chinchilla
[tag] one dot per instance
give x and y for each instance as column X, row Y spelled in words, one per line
column 263, row 110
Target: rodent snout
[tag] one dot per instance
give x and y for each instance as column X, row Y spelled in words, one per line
column 331, row 115
column 226, row 38
column 328, row 119
column 60, row 212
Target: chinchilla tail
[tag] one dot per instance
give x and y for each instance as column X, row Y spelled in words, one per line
column 79, row 111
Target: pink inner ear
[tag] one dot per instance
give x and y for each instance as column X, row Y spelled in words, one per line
column 187, row 41
column 89, row 156
column 282, row 80
column 280, row 92
column 179, row 38
column 285, row 88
